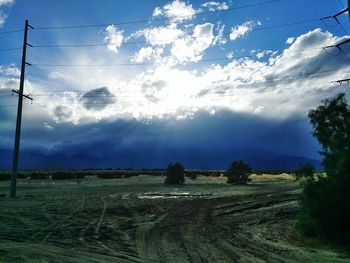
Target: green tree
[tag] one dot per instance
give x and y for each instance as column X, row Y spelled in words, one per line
column 325, row 203
column 175, row 174
column 331, row 122
column 238, row 172
column 306, row 171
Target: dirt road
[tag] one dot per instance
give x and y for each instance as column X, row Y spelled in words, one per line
column 253, row 224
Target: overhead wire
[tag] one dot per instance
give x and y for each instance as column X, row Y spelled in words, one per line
column 166, row 40
column 38, row 65
column 156, row 19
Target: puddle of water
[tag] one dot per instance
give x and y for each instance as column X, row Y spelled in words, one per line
column 172, row 195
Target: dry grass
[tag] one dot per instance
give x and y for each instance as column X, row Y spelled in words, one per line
column 282, row 176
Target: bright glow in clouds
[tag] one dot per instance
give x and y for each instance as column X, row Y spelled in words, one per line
column 172, row 82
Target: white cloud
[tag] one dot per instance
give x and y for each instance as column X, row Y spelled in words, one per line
column 277, row 86
column 6, row 2
column 114, row 38
column 54, row 75
column 48, row 126
column 259, row 109
column 3, row 15
column 143, row 54
column 162, row 35
column 290, row 40
column 242, row 31
column 157, row 12
column 177, row 11
column 191, row 48
column 213, row 6
column 10, row 71
column 264, row 53
column 219, row 38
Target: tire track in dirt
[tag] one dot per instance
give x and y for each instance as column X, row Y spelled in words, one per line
column 217, row 229
column 60, row 223
column 97, row 243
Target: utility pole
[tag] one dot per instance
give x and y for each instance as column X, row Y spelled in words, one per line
column 19, row 112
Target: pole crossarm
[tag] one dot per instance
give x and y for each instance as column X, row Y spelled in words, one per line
column 339, row 44
column 26, row 96
column 336, row 15
column 341, row 81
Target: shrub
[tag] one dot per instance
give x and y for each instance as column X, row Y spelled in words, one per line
column 39, row 176
column 192, row 174
column 238, row 172
column 306, row 171
column 324, row 209
column 62, row 175
column 175, row 174
column 109, row 175
column 5, row 177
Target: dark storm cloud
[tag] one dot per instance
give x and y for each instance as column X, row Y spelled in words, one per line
column 62, row 113
column 205, row 141
column 97, row 99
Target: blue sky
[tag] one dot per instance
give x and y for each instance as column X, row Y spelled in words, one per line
column 270, row 78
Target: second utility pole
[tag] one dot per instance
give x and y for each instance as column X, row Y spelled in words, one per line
column 19, row 114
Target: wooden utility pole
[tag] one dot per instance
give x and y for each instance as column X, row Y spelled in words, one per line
column 19, row 112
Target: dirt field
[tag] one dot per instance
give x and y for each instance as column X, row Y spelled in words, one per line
column 139, row 219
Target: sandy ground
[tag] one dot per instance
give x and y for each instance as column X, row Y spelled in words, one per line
column 140, row 220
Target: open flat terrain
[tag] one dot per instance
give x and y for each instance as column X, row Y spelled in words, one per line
column 139, row 219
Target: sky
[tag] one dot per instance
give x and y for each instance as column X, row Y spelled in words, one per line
column 143, row 83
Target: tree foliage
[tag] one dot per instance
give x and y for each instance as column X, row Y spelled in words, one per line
column 306, row 171
column 175, row 174
column 325, row 202
column 331, row 122
column 238, row 172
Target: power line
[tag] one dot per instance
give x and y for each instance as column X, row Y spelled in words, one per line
column 150, row 64
column 10, row 49
column 158, row 19
column 341, row 3
column 10, row 105
column 306, row 75
column 161, row 40
column 12, row 31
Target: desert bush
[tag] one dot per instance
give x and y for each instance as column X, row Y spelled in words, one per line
column 63, row 175
column 38, row 176
column 5, row 177
column 175, row 174
column 238, row 172
column 306, row 171
column 23, row 175
column 192, row 174
column 109, row 175
column 325, row 203
column 325, row 209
